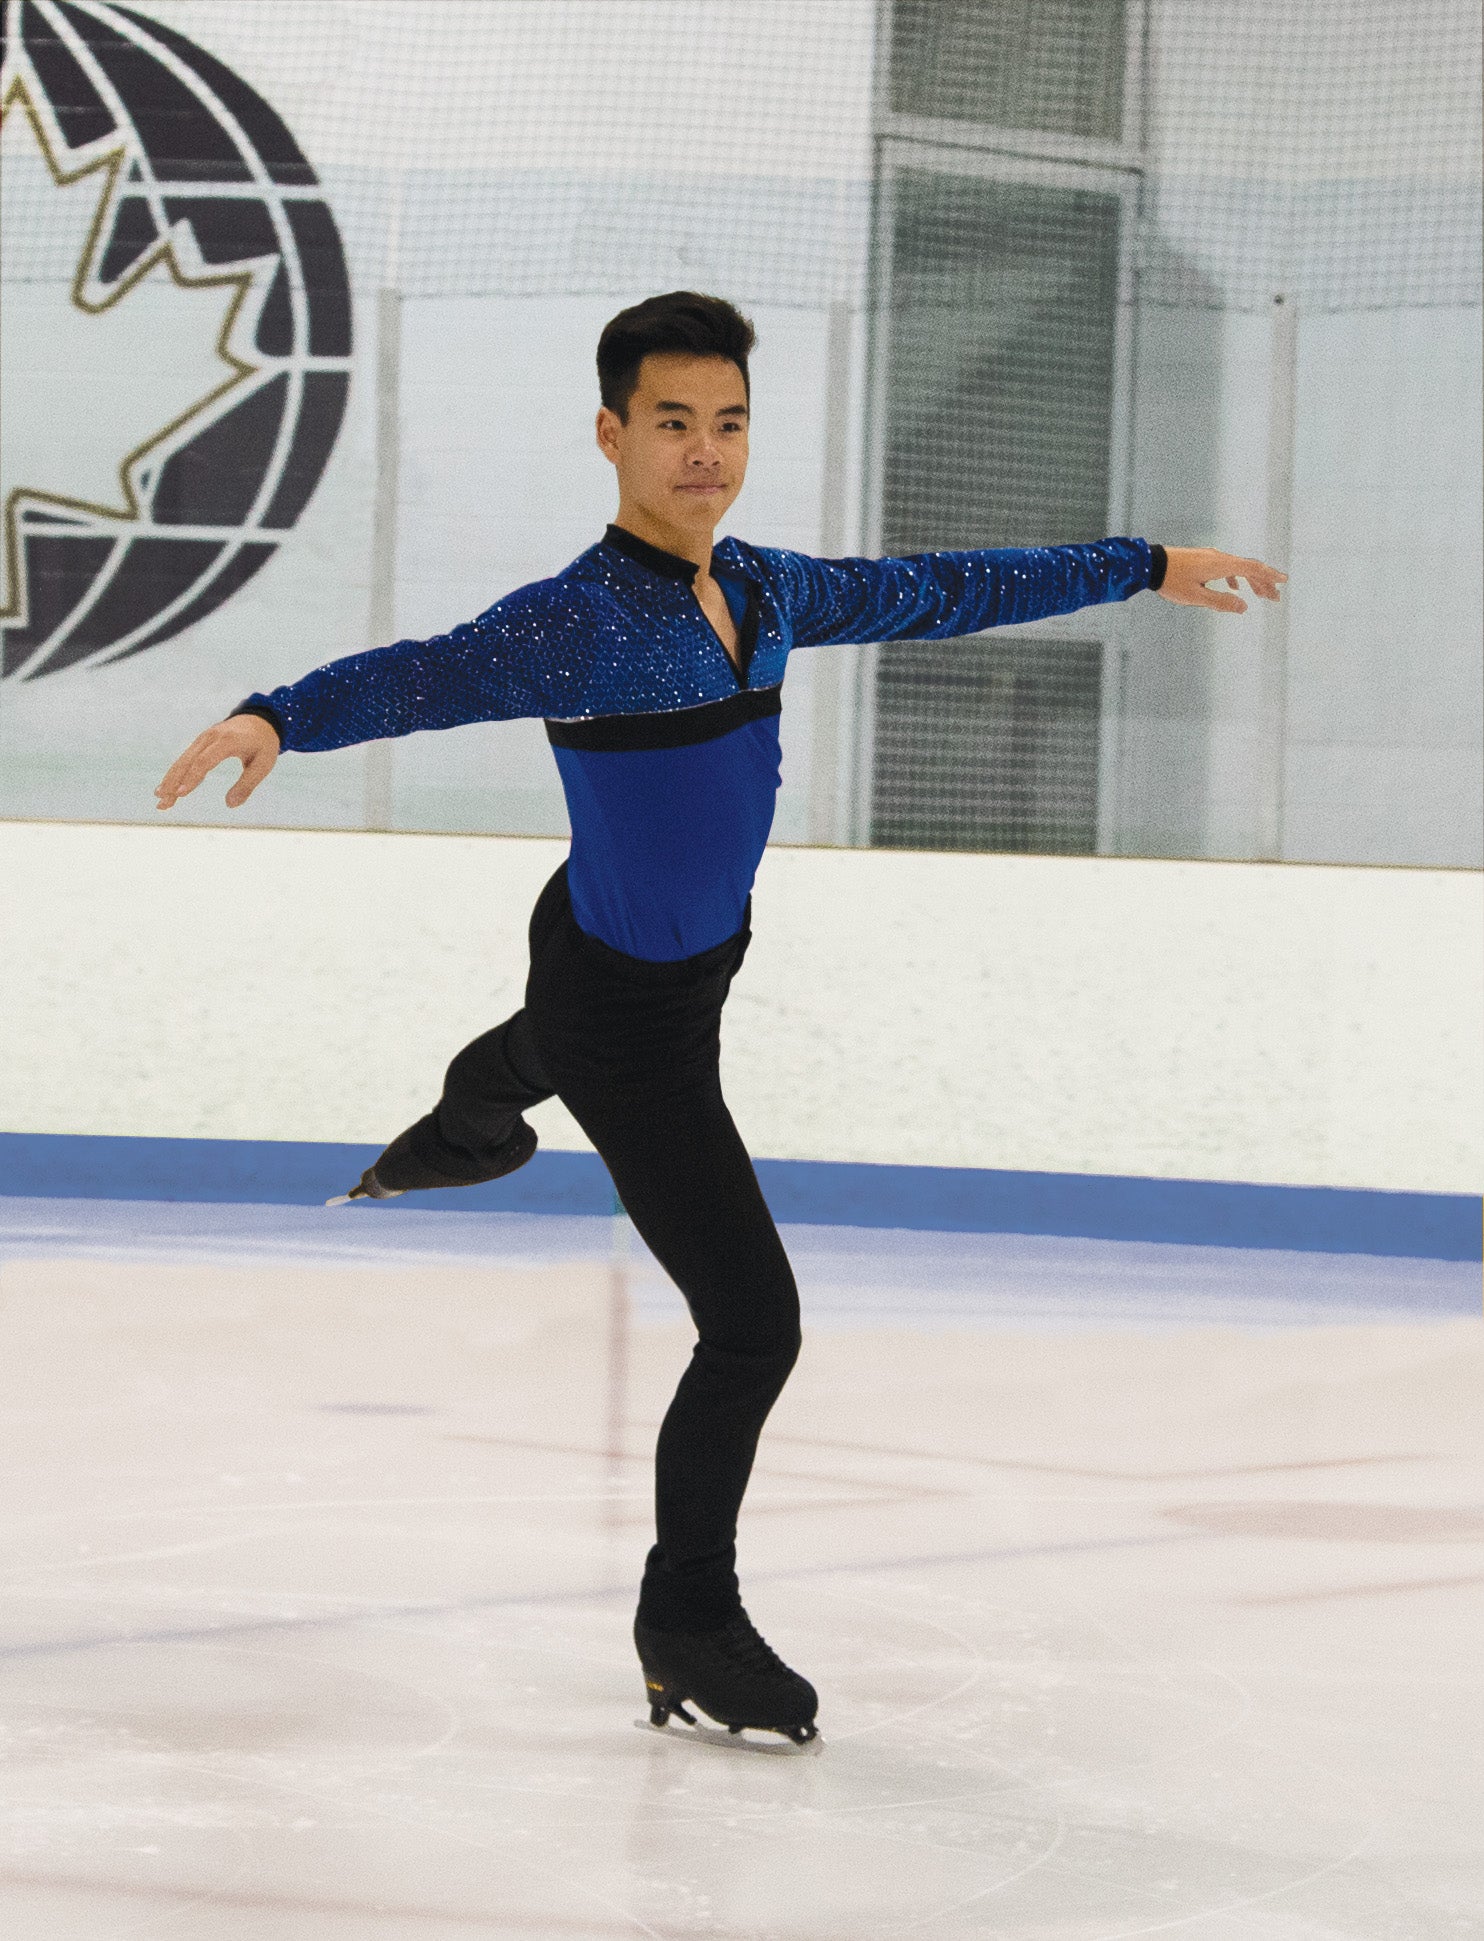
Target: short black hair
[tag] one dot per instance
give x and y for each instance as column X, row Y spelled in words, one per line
column 681, row 320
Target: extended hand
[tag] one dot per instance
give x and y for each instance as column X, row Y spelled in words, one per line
column 1190, row 567
column 247, row 736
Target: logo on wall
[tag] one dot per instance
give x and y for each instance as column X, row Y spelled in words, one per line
column 177, row 333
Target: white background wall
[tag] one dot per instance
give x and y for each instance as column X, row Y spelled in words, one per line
column 1311, row 1026
column 1385, row 741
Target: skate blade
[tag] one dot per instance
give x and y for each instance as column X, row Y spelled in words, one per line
column 770, row 1744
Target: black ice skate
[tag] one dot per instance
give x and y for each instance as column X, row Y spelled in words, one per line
column 401, row 1170
column 734, row 1676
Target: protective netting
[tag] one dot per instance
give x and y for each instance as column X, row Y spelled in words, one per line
column 984, row 745
column 511, row 147
column 1332, row 152
column 1033, row 208
column 1060, row 67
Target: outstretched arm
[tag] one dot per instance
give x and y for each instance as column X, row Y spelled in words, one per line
column 491, row 669
column 935, row 596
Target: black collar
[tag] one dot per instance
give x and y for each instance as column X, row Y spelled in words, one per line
column 669, row 564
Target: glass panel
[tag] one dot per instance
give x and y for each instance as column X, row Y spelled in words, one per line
column 1052, row 65
column 999, row 385
column 1000, row 356
column 988, row 744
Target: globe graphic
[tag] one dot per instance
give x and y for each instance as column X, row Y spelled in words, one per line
column 190, row 160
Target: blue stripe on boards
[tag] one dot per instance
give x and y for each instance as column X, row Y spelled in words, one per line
column 1197, row 1212
column 270, row 1171
column 944, row 1199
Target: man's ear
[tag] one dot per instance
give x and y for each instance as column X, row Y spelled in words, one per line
column 608, row 427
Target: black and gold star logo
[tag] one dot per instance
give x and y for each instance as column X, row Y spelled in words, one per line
column 177, row 333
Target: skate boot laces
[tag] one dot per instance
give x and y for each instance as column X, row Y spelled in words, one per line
column 748, row 1649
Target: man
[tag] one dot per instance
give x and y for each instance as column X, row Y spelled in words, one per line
column 655, row 660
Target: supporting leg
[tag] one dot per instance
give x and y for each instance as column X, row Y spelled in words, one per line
column 684, row 1177
column 632, row 1048
column 702, row 1462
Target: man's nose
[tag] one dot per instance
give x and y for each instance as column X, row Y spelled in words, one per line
column 705, row 451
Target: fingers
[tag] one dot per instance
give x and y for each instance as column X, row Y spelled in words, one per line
column 187, row 771
column 1262, row 578
column 252, row 773
column 223, row 742
column 1193, row 576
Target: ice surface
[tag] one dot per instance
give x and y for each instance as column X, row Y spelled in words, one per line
column 1142, row 1586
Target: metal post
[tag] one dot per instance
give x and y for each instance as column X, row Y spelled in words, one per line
column 859, row 765
column 377, row 810
column 832, row 672
column 833, row 516
column 1272, row 703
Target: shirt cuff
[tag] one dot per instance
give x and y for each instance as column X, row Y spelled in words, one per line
column 1159, row 561
column 264, row 713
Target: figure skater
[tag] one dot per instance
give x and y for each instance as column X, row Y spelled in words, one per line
column 656, row 660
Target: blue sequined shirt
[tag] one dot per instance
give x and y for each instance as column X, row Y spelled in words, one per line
column 668, row 751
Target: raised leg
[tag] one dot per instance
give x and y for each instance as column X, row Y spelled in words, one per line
column 475, row 1132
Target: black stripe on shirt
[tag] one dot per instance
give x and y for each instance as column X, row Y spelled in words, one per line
column 675, row 728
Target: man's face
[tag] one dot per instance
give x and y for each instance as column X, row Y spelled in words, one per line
column 681, row 456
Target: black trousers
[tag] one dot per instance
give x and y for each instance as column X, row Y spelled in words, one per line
column 631, row 1048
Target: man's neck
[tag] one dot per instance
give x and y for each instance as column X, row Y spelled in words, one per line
column 683, row 542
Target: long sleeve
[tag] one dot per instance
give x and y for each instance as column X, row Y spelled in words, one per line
column 520, row 658
column 933, row 596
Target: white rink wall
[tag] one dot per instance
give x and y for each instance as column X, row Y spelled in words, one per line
column 1271, row 1023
